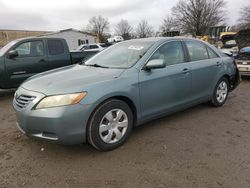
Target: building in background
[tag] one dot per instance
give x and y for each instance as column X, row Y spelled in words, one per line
column 7, row 35
column 74, row 37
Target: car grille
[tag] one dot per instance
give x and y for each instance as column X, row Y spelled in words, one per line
column 23, row 101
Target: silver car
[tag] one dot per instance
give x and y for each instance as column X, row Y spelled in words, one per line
column 128, row 84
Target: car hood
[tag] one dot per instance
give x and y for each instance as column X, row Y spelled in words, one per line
column 69, row 79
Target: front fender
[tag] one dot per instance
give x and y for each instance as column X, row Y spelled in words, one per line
column 121, row 87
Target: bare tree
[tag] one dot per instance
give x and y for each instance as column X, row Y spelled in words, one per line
column 196, row 16
column 168, row 24
column 144, row 30
column 245, row 17
column 99, row 26
column 124, row 29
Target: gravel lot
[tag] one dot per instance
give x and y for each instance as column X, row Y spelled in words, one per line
column 199, row 147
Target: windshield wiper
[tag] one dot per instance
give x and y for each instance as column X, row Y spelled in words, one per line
column 95, row 65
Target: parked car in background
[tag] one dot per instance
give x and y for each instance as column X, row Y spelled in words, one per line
column 115, row 39
column 23, row 58
column 126, row 85
column 229, row 45
column 92, row 47
column 243, row 59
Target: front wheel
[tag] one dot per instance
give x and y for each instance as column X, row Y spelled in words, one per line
column 220, row 93
column 110, row 125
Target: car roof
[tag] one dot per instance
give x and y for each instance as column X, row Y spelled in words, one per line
column 163, row 39
column 34, row 38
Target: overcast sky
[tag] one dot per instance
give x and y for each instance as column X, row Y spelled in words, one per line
column 61, row 14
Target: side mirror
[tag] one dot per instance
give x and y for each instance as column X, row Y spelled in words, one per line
column 12, row 54
column 155, row 64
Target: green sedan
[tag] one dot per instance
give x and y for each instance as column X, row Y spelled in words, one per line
column 100, row 101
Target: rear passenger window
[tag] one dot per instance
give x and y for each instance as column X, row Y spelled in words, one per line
column 211, row 53
column 171, row 53
column 55, row 47
column 196, row 50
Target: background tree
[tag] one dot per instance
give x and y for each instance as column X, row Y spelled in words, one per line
column 99, row 26
column 196, row 16
column 144, row 30
column 124, row 29
column 245, row 17
column 168, row 24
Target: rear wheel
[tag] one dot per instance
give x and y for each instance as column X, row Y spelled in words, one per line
column 220, row 92
column 110, row 125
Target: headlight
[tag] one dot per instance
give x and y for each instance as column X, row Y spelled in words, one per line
column 61, row 100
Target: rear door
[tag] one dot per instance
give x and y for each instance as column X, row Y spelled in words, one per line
column 31, row 60
column 58, row 54
column 205, row 68
column 165, row 89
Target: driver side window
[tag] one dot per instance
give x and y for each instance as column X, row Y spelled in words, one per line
column 30, row 49
column 171, row 52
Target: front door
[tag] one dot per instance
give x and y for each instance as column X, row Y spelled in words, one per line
column 165, row 89
column 31, row 60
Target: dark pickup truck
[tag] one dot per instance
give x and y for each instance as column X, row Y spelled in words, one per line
column 23, row 58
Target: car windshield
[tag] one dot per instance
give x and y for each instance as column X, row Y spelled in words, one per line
column 7, row 47
column 245, row 50
column 122, row 55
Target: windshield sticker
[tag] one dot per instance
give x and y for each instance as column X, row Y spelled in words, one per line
column 135, row 48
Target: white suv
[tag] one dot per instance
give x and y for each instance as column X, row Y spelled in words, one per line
column 92, row 47
column 115, row 39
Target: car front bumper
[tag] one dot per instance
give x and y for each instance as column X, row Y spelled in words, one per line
column 64, row 125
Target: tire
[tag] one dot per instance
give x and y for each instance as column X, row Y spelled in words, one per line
column 220, row 93
column 110, row 125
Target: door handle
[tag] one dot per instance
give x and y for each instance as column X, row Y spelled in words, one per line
column 19, row 72
column 41, row 60
column 185, row 71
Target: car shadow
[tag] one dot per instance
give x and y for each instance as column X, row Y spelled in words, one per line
column 245, row 78
column 163, row 121
column 6, row 93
